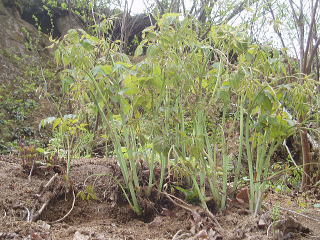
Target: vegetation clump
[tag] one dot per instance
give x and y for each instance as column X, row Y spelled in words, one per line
column 176, row 109
column 190, row 110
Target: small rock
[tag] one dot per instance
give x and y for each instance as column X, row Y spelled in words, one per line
column 44, row 225
column 79, row 236
column 157, row 221
column 264, row 220
column 99, row 237
column 201, row 235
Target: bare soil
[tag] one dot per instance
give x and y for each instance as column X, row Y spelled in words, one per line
column 110, row 217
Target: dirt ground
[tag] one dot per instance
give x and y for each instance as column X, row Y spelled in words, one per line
column 108, row 217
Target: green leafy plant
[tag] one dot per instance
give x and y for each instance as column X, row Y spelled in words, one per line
column 172, row 110
column 66, row 131
column 276, row 213
column 88, row 194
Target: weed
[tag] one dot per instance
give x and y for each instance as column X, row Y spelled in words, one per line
column 275, row 213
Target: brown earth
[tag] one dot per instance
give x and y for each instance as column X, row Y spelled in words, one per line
column 109, row 217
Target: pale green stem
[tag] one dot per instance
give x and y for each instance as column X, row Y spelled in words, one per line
column 225, row 164
column 237, row 171
column 250, row 164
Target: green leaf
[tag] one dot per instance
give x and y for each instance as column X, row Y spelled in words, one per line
column 169, row 18
column 40, row 150
column 126, row 107
column 138, row 51
column 56, row 123
column 131, row 85
column 264, row 101
column 46, row 121
column 224, row 95
column 157, row 70
column 66, row 60
column 153, row 51
column 87, row 44
column 64, row 6
column 102, row 69
column 191, row 195
column 237, row 79
column 67, row 81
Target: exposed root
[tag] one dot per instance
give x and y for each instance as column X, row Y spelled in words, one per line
column 21, row 207
column 47, row 193
column 177, row 236
column 183, row 204
column 68, row 213
column 297, row 213
column 32, row 167
column 270, row 226
column 43, row 207
column 300, row 214
column 192, row 209
column 28, row 215
column 48, row 184
column 42, row 190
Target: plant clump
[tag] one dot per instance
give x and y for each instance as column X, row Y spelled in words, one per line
column 176, row 110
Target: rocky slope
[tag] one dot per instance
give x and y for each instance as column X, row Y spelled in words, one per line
column 27, row 72
column 22, row 53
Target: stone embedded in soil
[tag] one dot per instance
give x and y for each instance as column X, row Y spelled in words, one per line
column 157, row 221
